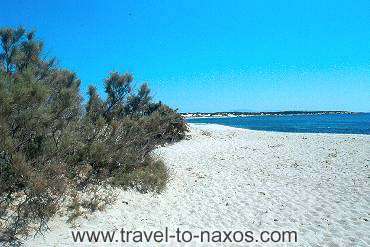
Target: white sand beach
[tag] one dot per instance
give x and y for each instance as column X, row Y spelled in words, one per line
column 224, row 178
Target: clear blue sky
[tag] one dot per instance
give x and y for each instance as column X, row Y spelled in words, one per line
column 214, row 55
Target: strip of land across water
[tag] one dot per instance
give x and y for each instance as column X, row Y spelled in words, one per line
column 246, row 114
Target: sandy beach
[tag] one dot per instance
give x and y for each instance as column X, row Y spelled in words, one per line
column 224, row 178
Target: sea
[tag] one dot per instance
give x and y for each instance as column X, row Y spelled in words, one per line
column 356, row 123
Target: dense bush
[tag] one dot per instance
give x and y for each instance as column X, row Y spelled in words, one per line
column 51, row 146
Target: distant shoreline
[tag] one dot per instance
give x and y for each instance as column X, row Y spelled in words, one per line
column 252, row 114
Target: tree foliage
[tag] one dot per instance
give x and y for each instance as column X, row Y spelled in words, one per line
column 52, row 146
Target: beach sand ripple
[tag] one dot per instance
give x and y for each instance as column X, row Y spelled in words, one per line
column 224, row 178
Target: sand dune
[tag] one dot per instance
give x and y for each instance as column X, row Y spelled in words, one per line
column 224, row 178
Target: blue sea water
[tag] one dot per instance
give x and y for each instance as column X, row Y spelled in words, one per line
column 358, row 123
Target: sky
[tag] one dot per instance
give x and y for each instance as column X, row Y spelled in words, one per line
column 207, row 56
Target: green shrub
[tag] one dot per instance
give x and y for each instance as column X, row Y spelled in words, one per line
column 51, row 149
column 151, row 176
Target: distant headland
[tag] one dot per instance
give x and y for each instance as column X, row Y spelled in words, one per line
column 247, row 114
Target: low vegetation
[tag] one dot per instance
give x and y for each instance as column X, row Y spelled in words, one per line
column 53, row 148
